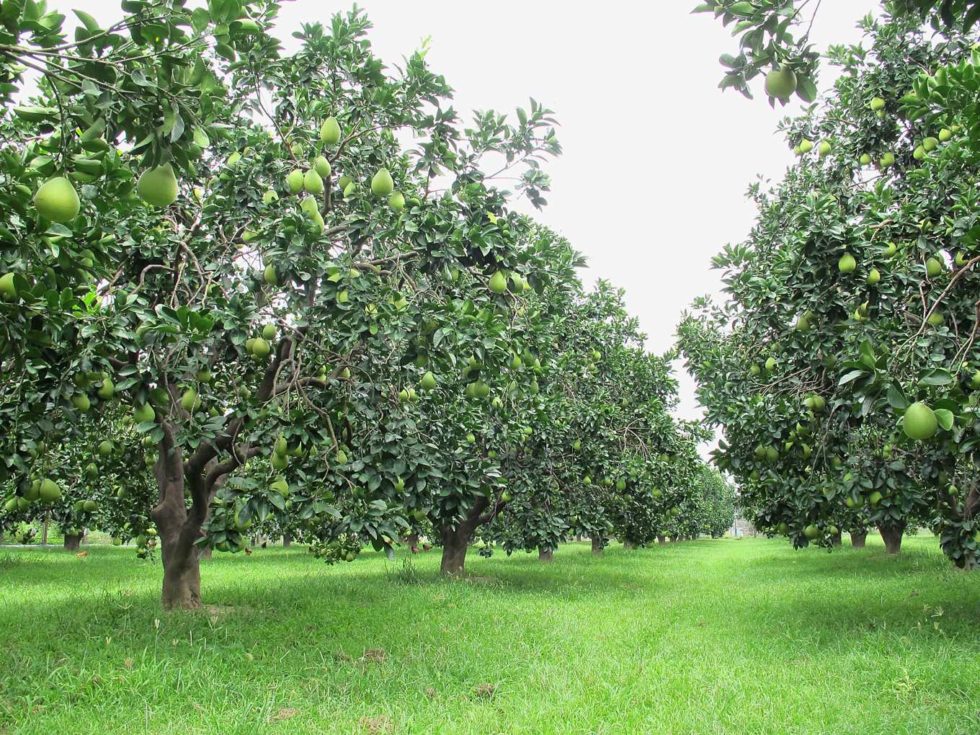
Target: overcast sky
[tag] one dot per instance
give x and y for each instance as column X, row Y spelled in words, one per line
column 656, row 158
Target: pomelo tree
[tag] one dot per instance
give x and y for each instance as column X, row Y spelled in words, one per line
column 844, row 366
column 601, row 405
column 258, row 291
column 99, row 469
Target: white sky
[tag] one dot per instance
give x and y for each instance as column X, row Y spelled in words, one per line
column 657, row 158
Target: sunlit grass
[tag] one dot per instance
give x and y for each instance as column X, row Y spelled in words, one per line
column 742, row 636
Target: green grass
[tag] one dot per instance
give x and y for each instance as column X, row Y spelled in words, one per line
column 725, row 636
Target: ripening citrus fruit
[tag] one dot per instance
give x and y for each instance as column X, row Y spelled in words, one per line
column 312, row 182
column 920, row 422
column 498, row 282
column 57, row 200
column 330, row 131
column 49, row 491
column 261, row 348
column 189, row 400
column 294, row 181
column 158, row 186
column 781, row 83
column 382, row 184
column 322, row 166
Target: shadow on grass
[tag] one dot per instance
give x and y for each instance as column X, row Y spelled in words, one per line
column 871, row 561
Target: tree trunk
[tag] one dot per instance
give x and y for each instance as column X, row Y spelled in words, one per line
column 629, row 545
column 858, row 538
column 73, row 541
column 835, row 540
column 456, row 540
column 44, row 531
column 179, row 527
column 598, row 545
column 661, row 539
column 204, row 552
column 545, row 554
column 892, row 536
column 287, row 541
column 454, row 544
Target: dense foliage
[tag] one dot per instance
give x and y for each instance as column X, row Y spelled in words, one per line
column 845, row 365
column 292, row 296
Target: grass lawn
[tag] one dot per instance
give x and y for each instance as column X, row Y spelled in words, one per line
column 727, row 636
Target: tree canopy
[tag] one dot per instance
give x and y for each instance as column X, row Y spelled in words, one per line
column 244, row 289
column 843, row 365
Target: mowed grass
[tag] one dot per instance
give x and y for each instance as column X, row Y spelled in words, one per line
column 726, row 636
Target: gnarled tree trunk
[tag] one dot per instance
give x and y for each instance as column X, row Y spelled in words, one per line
column 73, row 541
column 598, row 544
column 203, row 473
column 545, row 554
column 456, row 539
column 892, row 536
column 858, row 537
column 178, row 527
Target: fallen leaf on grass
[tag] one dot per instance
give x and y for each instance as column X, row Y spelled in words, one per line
column 285, row 713
column 485, row 691
column 374, row 655
column 375, row 725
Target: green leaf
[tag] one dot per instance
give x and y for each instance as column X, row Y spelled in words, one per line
column 945, row 418
column 88, row 21
column 806, row 90
column 200, row 19
column 897, row 399
column 937, row 377
column 851, row 376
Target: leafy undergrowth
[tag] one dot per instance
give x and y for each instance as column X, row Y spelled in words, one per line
column 739, row 636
